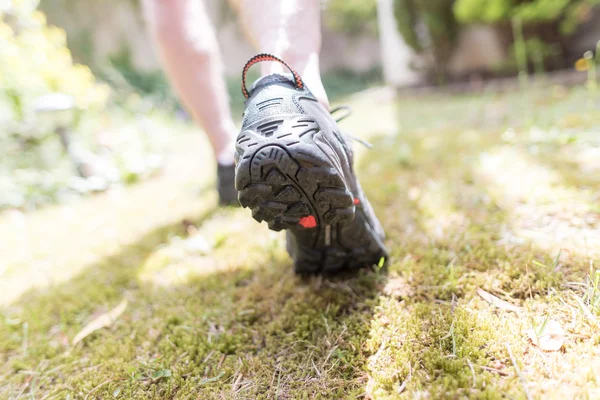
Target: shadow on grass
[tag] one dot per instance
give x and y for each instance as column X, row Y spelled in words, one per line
column 250, row 330
column 433, row 334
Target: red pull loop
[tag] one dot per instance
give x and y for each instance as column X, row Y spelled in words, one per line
column 268, row 57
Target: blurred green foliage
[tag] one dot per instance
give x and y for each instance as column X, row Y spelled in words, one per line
column 351, row 17
column 35, row 61
column 568, row 14
column 546, row 27
column 431, row 29
column 486, row 11
column 124, row 77
column 536, row 49
column 341, row 83
column 56, row 119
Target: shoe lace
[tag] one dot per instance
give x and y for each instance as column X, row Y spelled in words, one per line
column 346, row 114
column 299, row 85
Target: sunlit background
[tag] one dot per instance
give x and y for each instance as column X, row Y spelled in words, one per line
column 83, row 93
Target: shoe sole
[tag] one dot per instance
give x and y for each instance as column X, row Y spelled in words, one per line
column 285, row 178
column 289, row 176
column 363, row 249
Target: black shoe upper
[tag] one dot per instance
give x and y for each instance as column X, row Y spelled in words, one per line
column 294, row 170
column 228, row 196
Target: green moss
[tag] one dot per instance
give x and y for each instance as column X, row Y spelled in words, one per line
column 233, row 320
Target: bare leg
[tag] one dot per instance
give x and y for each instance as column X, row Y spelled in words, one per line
column 291, row 30
column 190, row 54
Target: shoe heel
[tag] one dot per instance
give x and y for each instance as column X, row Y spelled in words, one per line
column 287, row 180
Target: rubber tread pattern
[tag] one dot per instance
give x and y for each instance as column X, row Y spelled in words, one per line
column 281, row 188
column 291, row 165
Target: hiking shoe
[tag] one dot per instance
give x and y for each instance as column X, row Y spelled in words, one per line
column 294, row 170
column 228, row 196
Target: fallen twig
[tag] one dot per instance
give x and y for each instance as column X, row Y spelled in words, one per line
column 521, row 377
column 236, row 384
column 473, row 372
column 407, row 380
column 106, row 382
column 495, row 370
column 497, row 302
column 102, row 321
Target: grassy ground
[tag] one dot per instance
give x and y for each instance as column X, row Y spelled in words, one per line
column 488, row 195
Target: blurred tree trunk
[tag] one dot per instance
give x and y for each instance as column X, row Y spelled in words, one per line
column 398, row 57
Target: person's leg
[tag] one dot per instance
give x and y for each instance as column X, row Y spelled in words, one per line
column 290, row 30
column 294, row 168
column 190, row 54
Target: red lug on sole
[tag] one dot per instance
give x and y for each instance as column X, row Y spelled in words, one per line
column 308, row 222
